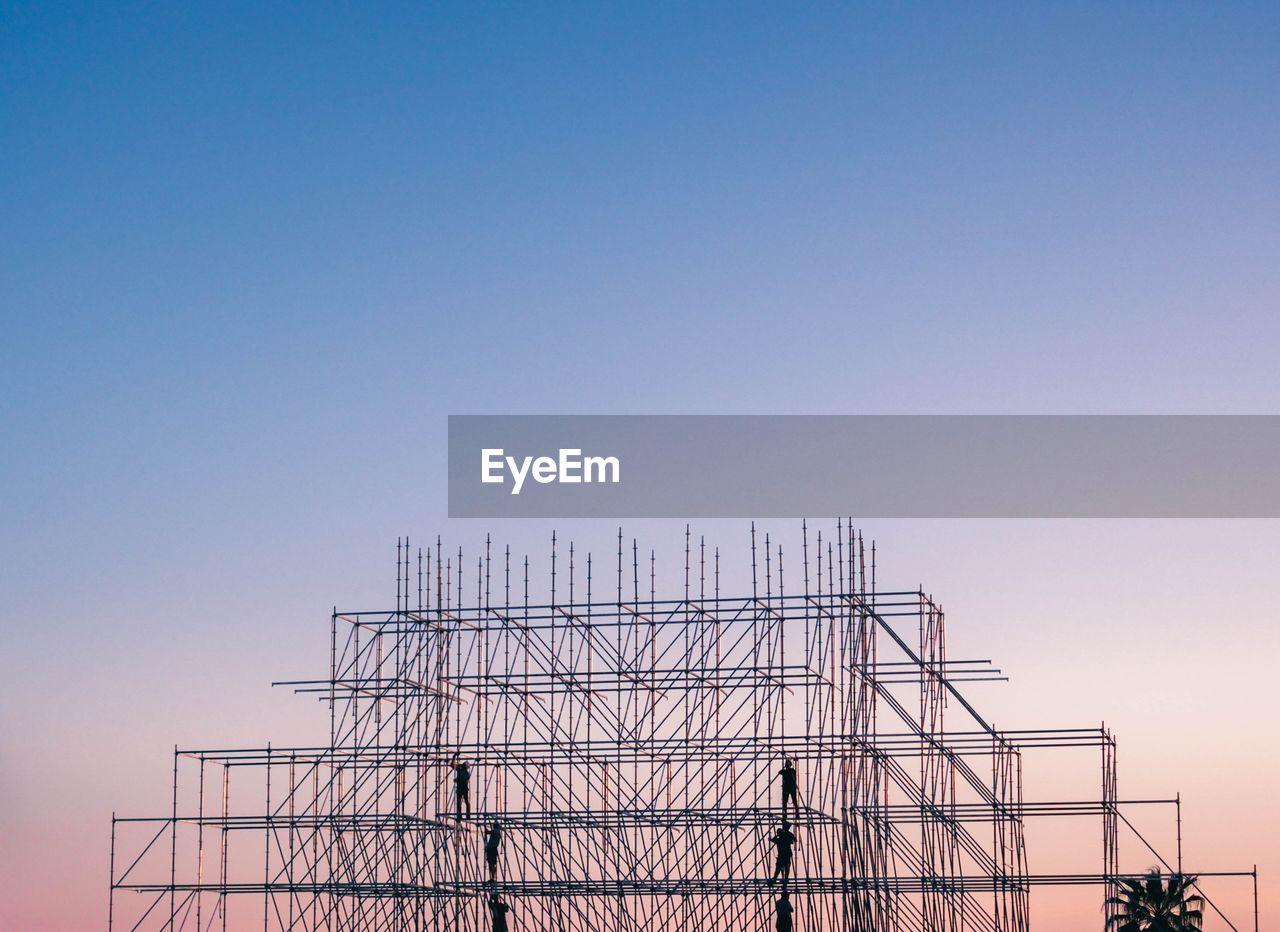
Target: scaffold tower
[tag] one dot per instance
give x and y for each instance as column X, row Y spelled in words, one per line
column 627, row 740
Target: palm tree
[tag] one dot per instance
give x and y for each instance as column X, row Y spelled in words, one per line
column 1149, row 904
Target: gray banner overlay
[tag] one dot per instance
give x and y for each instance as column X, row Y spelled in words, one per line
column 870, row 466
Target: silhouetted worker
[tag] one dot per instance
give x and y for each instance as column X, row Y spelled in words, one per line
column 462, row 786
column 785, row 840
column 491, row 845
column 789, row 785
column 498, row 913
column 783, row 922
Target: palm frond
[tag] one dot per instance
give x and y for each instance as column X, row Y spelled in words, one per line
column 1155, row 902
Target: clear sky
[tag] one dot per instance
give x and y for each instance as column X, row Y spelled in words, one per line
column 251, row 256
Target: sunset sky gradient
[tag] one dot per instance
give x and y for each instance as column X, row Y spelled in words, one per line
column 255, row 254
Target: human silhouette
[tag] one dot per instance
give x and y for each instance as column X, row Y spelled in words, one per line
column 784, row 839
column 789, row 785
column 462, row 786
column 498, row 913
column 783, row 922
column 491, row 845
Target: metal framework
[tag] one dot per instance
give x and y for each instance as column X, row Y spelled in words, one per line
column 630, row 747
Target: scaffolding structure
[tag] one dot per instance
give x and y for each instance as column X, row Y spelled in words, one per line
column 629, row 746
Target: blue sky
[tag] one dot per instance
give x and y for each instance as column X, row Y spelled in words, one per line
column 254, row 254
column 239, row 240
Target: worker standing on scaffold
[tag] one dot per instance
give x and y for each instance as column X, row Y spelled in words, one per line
column 498, row 913
column 784, row 839
column 789, row 785
column 783, row 922
column 462, row 786
column 491, row 845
